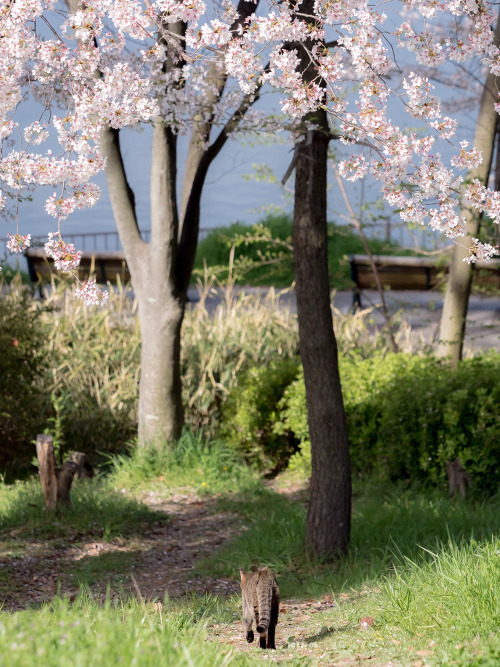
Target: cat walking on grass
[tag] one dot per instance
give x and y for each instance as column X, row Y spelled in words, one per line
column 260, row 597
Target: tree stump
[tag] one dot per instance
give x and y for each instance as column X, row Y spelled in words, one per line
column 65, row 476
column 56, row 482
column 47, row 470
column 458, row 477
column 83, row 468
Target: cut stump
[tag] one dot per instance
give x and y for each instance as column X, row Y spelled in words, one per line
column 47, row 470
column 56, row 482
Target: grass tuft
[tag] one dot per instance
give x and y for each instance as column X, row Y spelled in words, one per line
column 207, row 466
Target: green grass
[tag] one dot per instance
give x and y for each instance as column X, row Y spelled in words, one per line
column 426, row 568
column 84, row 633
column 87, row 633
column 99, row 510
column 389, row 524
column 206, row 466
column 277, row 268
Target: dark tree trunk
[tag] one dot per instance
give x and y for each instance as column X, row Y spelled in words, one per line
column 329, row 515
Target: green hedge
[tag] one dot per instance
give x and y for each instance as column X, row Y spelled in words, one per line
column 408, row 415
column 250, row 413
column 342, row 241
column 23, row 362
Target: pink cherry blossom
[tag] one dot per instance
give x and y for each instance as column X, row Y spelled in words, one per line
column 18, row 243
column 65, row 257
column 109, row 64
column 91, row 294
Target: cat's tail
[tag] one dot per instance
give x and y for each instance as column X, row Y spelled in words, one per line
column 264, row 595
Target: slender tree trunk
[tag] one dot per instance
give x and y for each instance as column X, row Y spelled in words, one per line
column 153, row 270
column 160, row 400
column 161, row 306
column 456, row 301
column 329, row 515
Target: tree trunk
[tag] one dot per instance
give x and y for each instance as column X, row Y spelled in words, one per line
column 161, row 307
column 456, row 301
column 329, row 515
column 160, row 400
column 161, row 270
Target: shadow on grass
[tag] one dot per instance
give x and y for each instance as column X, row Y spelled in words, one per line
column 91, row 570
column 98, row 511
column 388, row 525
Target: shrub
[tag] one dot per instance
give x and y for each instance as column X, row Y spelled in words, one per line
column 408, row 415
column 251, row 411
column 94, row 374
column 272, row 239
column 22, row 365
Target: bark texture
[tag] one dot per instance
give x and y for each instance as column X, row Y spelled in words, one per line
column 456, row 301
column 329, row 514
column 56, row 482
column 47, row 470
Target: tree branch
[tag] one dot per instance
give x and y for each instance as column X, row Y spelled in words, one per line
column 120, row 193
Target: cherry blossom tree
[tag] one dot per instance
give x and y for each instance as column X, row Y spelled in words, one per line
column 183, row 68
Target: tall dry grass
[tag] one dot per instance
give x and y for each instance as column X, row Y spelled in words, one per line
column 94, row 354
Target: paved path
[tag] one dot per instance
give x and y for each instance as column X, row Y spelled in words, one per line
column 422, row 311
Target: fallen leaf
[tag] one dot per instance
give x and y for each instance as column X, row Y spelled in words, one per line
column 425, row 652
column 366, row 622
column 283, row 610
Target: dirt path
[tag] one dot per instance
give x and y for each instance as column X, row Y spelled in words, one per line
column 161, row 560
column 156, row 562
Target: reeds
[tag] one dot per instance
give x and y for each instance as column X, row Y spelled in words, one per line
column 95, row 353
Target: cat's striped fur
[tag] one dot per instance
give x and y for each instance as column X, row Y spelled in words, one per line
column 260, row 597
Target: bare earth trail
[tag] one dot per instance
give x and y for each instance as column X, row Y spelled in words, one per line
column 156, row 563
column 160, row 562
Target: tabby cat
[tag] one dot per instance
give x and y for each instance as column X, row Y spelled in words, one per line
column 261, row 599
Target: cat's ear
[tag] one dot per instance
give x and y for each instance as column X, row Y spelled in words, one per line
column 243, row 575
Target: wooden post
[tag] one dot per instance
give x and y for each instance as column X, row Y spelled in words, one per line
column 56, row 482
column 47, row 470
column 65, row 476
column 83, row 468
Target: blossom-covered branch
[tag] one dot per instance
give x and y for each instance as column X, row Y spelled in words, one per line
column 54, row 57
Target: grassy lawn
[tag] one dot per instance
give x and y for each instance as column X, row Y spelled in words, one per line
column 144, row 568
column 420, row 585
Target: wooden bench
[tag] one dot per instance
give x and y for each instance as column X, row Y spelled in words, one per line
column 104, row 266
column 412, row 273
